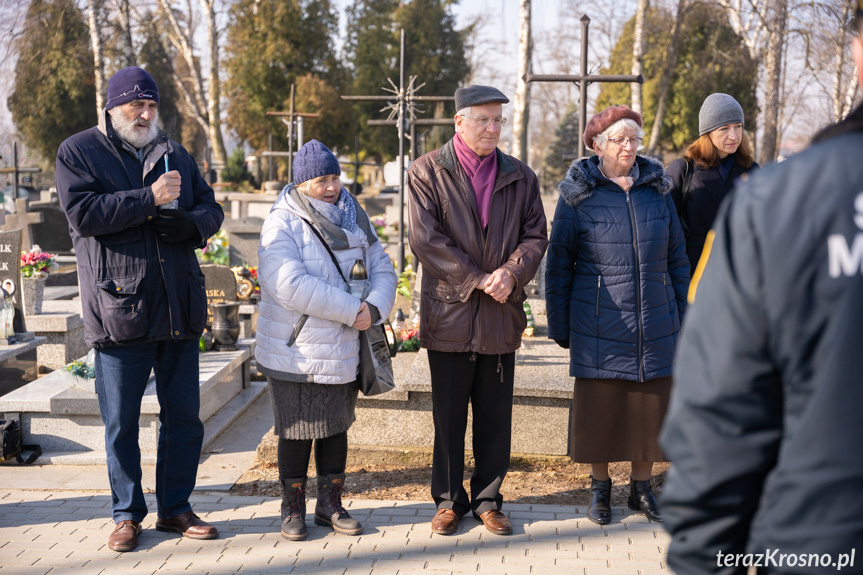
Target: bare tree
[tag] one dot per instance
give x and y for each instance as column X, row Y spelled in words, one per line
column 638, row 54
column 773, row 71
column 127, row 47
column 522, row 92
column 670, row 60
column 93, row 12
column 205, row 110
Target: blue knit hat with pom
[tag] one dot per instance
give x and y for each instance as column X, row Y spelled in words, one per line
column 313, row 161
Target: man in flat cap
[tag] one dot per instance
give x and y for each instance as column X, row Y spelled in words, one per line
column 137, row 208
column 478, row 229
column 765, row 420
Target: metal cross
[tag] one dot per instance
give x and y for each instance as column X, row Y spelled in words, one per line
column 288, row 118
column 583, row 80
column 402, row 112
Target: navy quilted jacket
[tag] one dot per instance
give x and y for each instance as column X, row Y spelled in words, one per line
column 617, row 274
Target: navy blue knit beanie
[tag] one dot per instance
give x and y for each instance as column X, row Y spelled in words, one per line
column 313, row 161
column 129, row 84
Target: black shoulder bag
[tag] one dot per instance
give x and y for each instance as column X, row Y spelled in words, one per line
column 684, row 195
column 13, row 443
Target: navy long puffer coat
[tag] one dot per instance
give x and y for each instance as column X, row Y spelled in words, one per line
column 617, row 274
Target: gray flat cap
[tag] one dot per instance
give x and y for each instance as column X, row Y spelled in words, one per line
column 477, row 95
column 717, row 110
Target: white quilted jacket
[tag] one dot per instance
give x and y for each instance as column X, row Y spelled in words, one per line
column 297, row 277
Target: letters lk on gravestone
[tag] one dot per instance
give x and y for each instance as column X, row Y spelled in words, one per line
column 10, row 278
column 221, row 286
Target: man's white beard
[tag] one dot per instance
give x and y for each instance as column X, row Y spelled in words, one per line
column 126, row 129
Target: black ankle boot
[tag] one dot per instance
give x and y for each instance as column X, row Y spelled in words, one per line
column 599, row 508
column 294, row 508
column 641, row 498
column 329, row 510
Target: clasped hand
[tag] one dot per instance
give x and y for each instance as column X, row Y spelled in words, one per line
column 167, row 188
column 364, row 318
column 498, row 284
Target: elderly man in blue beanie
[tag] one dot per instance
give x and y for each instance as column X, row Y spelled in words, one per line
column 478, row 228
column 137, row 208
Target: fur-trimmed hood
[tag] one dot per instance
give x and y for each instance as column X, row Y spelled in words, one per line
column 584, row 177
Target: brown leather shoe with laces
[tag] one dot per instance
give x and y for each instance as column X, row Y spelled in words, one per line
column 188, row 525
column 124, row 537
column 496, row 522
column 445, row 521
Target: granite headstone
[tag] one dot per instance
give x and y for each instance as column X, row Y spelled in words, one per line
column 244, row 236
column 10, row 275
column 221, row 286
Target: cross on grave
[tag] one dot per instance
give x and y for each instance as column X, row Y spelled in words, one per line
column 15, row 170
column 21, row 220
column 404, row 111
column 289, row 118
column 583, row 80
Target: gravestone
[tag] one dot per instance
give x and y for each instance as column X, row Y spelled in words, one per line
column 10, row 279
column 221, row 286
column 21, row 222
column 535, row 289
column 52, row 232
column 244, row 236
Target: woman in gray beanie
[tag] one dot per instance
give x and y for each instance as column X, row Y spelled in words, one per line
column 308, row 330
column 709, row 169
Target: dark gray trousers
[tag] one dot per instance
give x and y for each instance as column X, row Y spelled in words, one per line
column 456, row 381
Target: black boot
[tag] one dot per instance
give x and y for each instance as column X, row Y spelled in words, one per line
column 294, row 508
column 599, row 508
column 329, row 510
column 641, row 498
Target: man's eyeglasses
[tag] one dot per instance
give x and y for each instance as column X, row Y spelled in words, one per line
column 484, row 121
column 621, row 142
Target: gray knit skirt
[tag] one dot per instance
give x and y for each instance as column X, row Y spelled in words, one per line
column 304, row 410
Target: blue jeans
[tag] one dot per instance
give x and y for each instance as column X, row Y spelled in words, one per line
column 121, row 377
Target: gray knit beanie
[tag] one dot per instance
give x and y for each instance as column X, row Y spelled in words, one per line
column 717, row 110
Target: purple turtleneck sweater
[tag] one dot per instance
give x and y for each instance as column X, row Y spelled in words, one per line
column 481, row 172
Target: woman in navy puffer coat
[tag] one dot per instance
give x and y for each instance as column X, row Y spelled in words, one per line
column 617, row 276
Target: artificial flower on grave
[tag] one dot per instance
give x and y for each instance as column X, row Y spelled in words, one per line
column 247, row 281
column 410, row 340
column 380, row 223
column 216, row 250
column 37, row 263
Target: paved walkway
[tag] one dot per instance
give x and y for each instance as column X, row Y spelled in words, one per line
column 45, row 532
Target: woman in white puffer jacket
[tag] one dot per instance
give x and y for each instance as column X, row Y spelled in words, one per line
column 312, row 373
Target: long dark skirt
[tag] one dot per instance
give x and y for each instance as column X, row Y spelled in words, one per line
column 617, row 420
column 305, row 410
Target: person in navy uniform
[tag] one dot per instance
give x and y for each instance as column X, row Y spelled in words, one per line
column 764, row 425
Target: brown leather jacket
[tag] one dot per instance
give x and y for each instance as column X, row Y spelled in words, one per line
column 447, row 238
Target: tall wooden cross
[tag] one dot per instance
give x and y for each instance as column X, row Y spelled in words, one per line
column 288, row 118
column 402, row 115
column 583, row 80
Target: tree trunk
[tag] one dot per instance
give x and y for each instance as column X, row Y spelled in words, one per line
column 638, row 54
column 522, row 93
column 773, row 72
column 127, row 47
column 665, row 80
column 206, row 111
column 220, row 156
column 98, row 60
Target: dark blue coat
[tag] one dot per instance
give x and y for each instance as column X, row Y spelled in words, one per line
column 135, row 288
column 764, row 424
column 707, row 189
column 616, row 274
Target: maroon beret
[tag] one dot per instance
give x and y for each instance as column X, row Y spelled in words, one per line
column 601, row 122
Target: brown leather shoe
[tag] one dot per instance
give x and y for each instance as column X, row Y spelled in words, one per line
column 496, row 522
column 445, row 522
column 124, row 537
column 188, row 525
